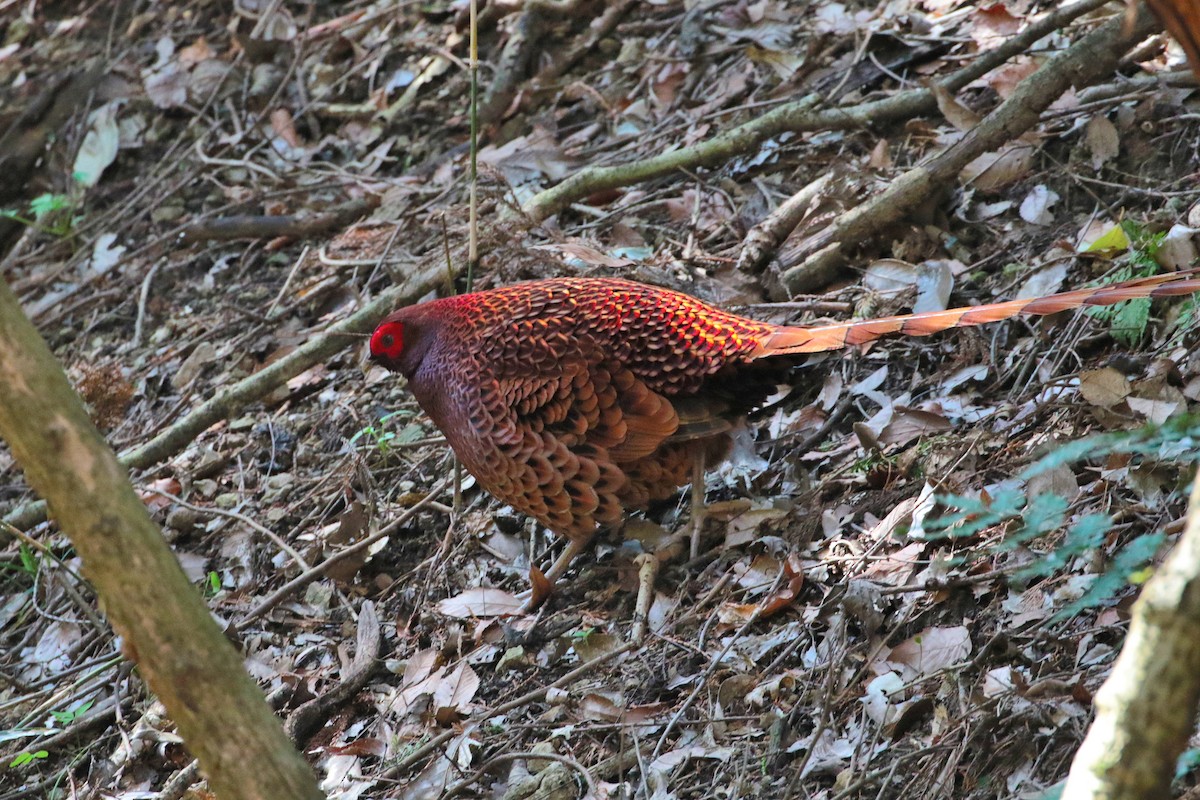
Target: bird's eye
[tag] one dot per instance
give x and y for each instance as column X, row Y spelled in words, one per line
column 387, row 341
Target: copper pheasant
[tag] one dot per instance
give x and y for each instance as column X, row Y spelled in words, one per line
column 577, row 399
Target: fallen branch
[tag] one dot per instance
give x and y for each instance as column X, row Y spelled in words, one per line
column 305, row 719
column 763, row 239
column 1092, row 57
column 293, row 226
column 795, row 117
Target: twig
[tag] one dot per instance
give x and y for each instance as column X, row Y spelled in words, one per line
column 143, row 297
column 506, row 757
column 242, row 518
column 763, row 239
column 295, row 226
column 270, row 312
column 303, row 720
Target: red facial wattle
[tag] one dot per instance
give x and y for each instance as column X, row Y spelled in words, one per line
column 387, row 343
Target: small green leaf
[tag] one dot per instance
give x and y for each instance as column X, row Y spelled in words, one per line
column 1130, row 321
column 1113, row 240
column 25, row 758
column 47, row 203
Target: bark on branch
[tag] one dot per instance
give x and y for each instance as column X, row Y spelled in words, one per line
column 1146, row 710
column 168, row 630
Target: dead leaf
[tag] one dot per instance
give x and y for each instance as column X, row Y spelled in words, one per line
column 195, row 52
column 909, row 423
column 595, row 707
column 100, row 144
column 55, row 647
column 995, row 170
column 166, row 87
column 284, row 127
column 935, row 282
column 454, row 693
column 588, row 255
column 1044, row 281
column 931, row 650
column 203, row 354
column 1103, row 387
column 1035, row 208
column 595, row 644
column 481, row 601
column 1102, row 140
column 1156, row 411
column 1059, row 481
column 890, row 276
column 155, row 501
column 958, row 115
column 1178, row 248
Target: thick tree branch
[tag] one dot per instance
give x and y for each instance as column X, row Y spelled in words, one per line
column 1146, row 710
column 168, row 630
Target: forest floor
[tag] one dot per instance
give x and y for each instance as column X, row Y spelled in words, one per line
column 834, row 640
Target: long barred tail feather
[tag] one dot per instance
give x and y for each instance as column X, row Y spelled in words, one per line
column 793, row 340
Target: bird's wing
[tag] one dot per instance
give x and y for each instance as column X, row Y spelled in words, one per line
column 560, row 423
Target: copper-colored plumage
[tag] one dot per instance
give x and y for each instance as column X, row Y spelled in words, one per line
column 576, row 399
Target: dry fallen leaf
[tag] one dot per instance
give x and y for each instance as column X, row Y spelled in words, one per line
column 910, row 423
column 931, row 650
column 480, row 602
column 993, row 171
column 1104, row 387
column 1035, row 208
column 1102, row 140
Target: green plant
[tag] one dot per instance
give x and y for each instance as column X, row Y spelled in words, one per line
column 49, row 213
column 1127, row 321
column 23, row 759
column 67, row 717
column 381, row 439
column 29, row 561
column 1177, row 441
column 212, row 584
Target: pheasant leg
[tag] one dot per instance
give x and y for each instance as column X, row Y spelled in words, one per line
column 574, row 547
